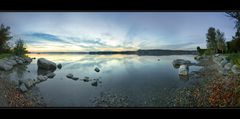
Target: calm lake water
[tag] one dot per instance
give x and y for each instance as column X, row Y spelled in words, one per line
column 140, row 78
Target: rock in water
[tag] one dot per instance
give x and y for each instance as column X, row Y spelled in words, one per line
column 94, row 83
column 50, row 75
column 183, row 70
column 28, row 82
column 59, row 66
column 46, row 64
column 176, row 63
column 11, row 62
column 86, row 79
column 28, row 60
column 235, row 69
column 97, row 69
column 23, row 88
column 198, row 57
column 69, row 76
column 74, row 78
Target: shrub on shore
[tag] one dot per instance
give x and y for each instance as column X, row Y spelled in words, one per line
column 5, row 49
column 234, row 58
column 20, row 48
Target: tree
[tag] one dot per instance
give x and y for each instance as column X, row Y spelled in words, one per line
column 4, row 37
column 211, row 39
column 236, row 17
column 234, row 45
column 221, row 45
column 20, row 48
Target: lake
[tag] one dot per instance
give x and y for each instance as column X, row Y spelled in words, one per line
column 143, row 80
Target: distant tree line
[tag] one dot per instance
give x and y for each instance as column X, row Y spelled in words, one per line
column 19, row 47
column 216, row 42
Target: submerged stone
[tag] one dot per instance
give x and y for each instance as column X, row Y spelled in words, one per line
column 97, row 69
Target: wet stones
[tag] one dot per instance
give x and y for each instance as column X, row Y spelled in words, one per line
column 23, row 88
column 7, row 64
column 225, row 65
column 29, row 83
column 4, row 66
column 69, row 75
column 50, row 75
column 183, row 70
column 235, row 69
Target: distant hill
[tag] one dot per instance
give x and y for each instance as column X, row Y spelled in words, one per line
column 138, row 52
column 165, row 52
column 114, row 52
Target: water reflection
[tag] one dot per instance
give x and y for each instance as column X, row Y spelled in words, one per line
column 130, row 75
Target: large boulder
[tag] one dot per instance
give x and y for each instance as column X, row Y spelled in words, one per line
column 46, row 64
column 235, row 69
column 11, row 62
column 5, row 66
column 183, row 70
column 176, row 63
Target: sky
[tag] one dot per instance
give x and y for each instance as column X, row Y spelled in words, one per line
column 115, row 31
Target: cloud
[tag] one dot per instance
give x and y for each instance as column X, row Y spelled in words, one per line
column 44, row 36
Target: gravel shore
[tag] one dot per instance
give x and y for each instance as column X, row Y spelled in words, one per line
column 12, row 97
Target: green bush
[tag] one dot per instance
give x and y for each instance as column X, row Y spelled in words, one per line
column 4, row 55
column 20, row 48
column 234, row 58
column 200, row 51
column 208, row 52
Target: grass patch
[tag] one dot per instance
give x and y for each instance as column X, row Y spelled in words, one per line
column 3, row 55
column 234, row 58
